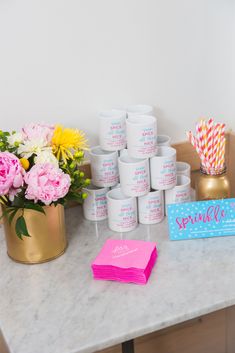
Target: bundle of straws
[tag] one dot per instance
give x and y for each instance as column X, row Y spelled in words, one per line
column 209, row 142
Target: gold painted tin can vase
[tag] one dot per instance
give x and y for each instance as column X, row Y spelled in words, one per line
column 47, row 236
column 212, row 185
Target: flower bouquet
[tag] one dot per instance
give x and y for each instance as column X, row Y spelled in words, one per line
column 39, row 173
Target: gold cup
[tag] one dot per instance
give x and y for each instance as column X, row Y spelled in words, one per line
column 47, row 236
column 213, row 186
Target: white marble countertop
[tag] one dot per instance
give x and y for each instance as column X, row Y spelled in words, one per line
column 57, row 307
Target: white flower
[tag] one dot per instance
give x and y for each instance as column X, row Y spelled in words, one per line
column 46, row 157
column 30, row 147
column 15, row 138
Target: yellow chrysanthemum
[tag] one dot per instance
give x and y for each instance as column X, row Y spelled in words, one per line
column 65, row 142
column 25, row 163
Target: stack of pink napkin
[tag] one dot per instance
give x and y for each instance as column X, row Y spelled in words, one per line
column 125, row 261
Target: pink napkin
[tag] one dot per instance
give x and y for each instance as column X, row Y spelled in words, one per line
column 125, row 261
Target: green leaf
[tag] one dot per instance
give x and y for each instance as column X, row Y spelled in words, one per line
column 21, row 228
column 12, row 215
column 6, row 211
column 72, row 197
column 59, row 202
column 34, row 206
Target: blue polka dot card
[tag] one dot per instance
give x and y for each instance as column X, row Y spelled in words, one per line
column 201, row 219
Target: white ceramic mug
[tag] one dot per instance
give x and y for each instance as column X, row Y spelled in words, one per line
column 139, row 109
column 181, row 193
column 151, row 207
column 141, row 132
column 104, row 167
column 183, row 168
column 163, row 140
column 95, row 205
column 163, row 168
column 112, row 130
column 122, row 211
column 134, row 175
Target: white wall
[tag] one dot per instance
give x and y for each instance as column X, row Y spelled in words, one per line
column 65, row 60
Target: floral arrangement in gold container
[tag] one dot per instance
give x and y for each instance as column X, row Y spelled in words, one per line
column 39, row 169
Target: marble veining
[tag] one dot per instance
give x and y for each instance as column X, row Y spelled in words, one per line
column 57, row 307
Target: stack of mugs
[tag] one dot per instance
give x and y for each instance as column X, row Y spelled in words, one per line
column 128, row 184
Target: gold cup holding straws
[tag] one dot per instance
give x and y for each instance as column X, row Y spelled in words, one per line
column 209, row 142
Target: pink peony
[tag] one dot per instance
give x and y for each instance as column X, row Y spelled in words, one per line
column 11, row 174
column 46, row 183
column 38, row 132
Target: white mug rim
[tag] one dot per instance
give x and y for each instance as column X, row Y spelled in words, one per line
column 133, row 161
column 182, row 166
column 141, row 120
column 103, row 152
column 185, row 181
column 118, row 191
column 164, row 150
column 165, row 138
